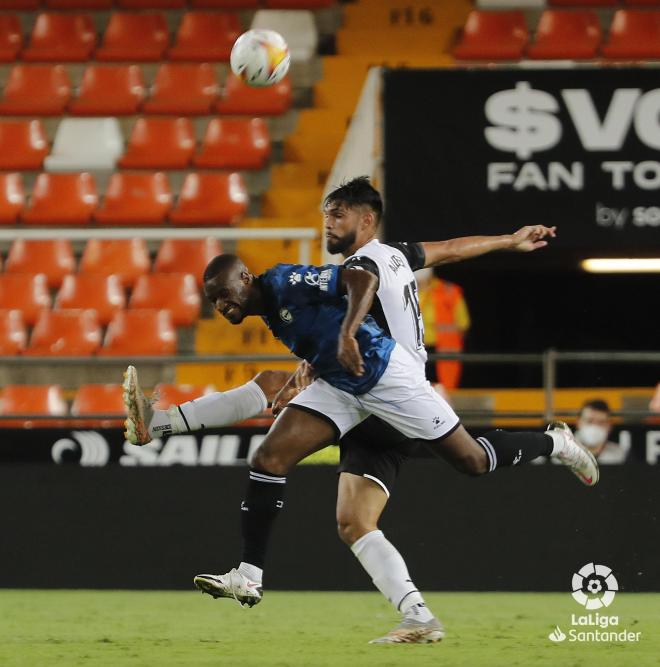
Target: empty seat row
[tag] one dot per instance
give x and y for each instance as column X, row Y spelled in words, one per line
column 208, row 198
column 165, row 4
column 115, row 90
column 560, row 34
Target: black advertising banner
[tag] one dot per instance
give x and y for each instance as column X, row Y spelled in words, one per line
column 486, row 151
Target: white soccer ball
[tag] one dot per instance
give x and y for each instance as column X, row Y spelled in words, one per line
column 260, row 57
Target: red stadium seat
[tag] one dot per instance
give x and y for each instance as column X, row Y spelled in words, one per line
column 42, row 90
column 183, row 89
column 298, row 4
column 11, row 37
column 134, row 37
column 12, row 198
column 78, row 4
column 105, row 294
column 140, row 332
column 61, row 37
column 30, row 399
column 186, row 256
column 211, row 199
column 175, row 291
column 151, row 4
column 127, row 258
column 135, row 199
column 61, row 199
column 160, row 143
column 108, row 90
column 25, row 292
column 225, row 4
column 583, row 3
column 240, row 99
column 166, row 395
column 205, row 36
column 234, row 144
column 493, row 36
column 566, row 34
column 13, row 335
column 65, row 333
column 99, row 399
column 633, row 34
column 23, row 144
column 23, row 5
column 54, row 257
column 645, row 3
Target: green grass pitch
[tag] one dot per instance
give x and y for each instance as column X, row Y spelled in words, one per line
column 116, row 628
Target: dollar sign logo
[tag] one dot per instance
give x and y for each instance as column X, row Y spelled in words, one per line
column 525, row 120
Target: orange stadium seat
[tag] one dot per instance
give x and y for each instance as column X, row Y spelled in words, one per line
column 109, row 90
column 241, row 99
column 105, row 294
column 99, row 399
column 205, row 36
column 61, row 37
column 211, row 199
column 186, row 256
column 166, row 395
column 127, row 258
column 11, row 37
column 54, row 257
column 633, row 34
column 234, row 144
column 183, row 89
column 135, row 199
column 26, row 292
column 78, row 4
column 61, row 199
column 13, row 335
column 12, row 198
column 175, row 291
column 160, row 143
column 32, row 399
column 566, row 34
column 66, row 333
column 134, row 37
column 23, row 144
column 140, row 332
column 42, row 90
column 493, row 36
column 151, row 4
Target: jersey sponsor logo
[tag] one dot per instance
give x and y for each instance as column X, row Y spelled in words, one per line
column 324, row 278
column 395, row 263
column 286, row 316
column 312, row 278
column 294, row 278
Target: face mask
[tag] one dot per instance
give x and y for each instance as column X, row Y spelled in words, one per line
column 592, row 435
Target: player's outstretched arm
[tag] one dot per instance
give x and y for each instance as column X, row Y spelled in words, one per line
column 526, row 239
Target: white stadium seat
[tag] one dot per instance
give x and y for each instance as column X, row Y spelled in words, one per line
column 296, row 26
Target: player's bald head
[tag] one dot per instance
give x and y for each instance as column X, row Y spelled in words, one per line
column 222, row 268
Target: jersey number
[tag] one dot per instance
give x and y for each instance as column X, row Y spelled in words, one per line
column 411, row 301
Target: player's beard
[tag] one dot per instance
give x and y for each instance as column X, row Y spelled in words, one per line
column 336, row 246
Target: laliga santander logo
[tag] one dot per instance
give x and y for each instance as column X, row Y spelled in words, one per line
column 594, row 586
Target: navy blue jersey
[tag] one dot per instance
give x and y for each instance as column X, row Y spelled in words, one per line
column 305, row 309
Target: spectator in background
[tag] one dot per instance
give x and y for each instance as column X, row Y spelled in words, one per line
column 446, row 319
column 593, row 430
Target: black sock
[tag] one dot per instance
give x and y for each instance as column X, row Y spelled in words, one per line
column 263, row 501
column 504, row 448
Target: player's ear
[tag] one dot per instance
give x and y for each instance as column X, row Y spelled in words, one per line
column 246, row 277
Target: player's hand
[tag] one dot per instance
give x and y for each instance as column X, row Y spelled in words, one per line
column 349, row 356
column 301, row 378
column 531, row 237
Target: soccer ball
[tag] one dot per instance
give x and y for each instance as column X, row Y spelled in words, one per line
column 260, row 57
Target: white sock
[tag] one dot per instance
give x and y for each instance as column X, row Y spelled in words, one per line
column 214, row 410
column 252, row 572
column 388, row 571
column 558, row 442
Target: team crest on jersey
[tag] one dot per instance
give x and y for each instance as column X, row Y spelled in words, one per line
column 312, row 278
column 294, row 278
column 286, row 316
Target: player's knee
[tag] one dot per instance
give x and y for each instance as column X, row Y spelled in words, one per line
column 351, row 529
column 271, row 382
column 270, row 462
column 473, row 464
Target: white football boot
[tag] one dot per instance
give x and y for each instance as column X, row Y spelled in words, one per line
column 574, row 454
column 412, row 631
column 234, row 584
column 138, row 409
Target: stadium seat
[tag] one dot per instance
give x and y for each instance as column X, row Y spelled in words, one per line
column 583, row 3
column 31, row 399
column 165, row 395
column 645, row 3
column 67, row 333
column 175, row 291
column 234, row 144
column 78, row 4
column 205, row 36
column 224, row 4
column 493, row 36
column 109, row 90
column 151, row 4
column 140, row 332
column 211, row 199
column 54, row 257
column 127, row 258
column 23, row 5
column 186, row 256
column 105, row 294
column 160, row 143
column 240, row 99
column 61, row 199
column 296, row 26
column 134, row 37
column 299, row 4
column 566, row 34
column 12, row 198
column 61, row 37
column 13, row 335
column 99, row 399
column 11, row 37
column 23, row 144
column 39, row 90
column 86, row 144
column 26, row 292
column 633, row 34
column 183, row 89
column 135, row 199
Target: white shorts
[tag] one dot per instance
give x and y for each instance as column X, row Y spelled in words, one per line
column 403, row 398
